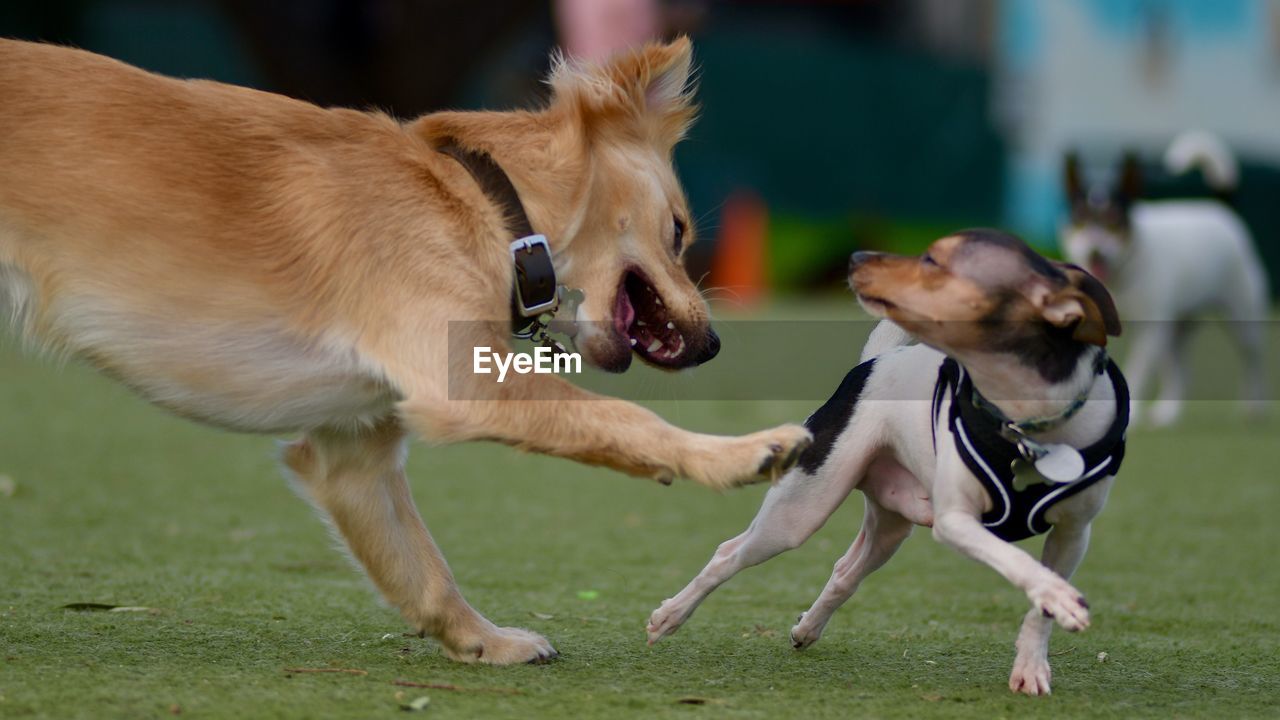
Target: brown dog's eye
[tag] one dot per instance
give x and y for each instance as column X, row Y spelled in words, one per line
column 678, row 243
column 927, row 259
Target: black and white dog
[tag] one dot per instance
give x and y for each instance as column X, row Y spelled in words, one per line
column 1169, row 262
column 1023, row 434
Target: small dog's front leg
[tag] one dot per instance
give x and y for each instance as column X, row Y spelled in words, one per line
column 959, row 501
column 549, row 415
column 1063, row 549
column 1049, row 593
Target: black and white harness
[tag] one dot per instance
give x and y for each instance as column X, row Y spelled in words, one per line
column 984, row 443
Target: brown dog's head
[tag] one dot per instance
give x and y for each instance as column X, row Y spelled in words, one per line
column 626, row 246
column 594, row 173
column 985, row 291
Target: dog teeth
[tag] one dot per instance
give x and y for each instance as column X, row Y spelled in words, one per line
column 633, row 342
column 655, row 346
column 671, row 326
column 657, row 300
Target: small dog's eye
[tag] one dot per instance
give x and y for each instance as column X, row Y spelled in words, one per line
column 678, row 243
column 927, row 259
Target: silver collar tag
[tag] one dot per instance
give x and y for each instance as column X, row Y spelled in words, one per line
column 1053, row 463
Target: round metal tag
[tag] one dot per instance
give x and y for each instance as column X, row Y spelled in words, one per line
column 1061, row 464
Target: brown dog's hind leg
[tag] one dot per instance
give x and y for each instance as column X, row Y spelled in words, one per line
column 357, row 478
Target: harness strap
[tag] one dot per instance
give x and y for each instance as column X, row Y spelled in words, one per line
column 1017, row 514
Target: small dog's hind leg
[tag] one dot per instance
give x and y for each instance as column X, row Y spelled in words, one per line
column 1063, row 549
column 357, row 478
column 883, row 532
column 793, row 510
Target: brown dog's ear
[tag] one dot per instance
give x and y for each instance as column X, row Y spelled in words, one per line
column 1085, row 303
column 666, row 89
column 649, row 84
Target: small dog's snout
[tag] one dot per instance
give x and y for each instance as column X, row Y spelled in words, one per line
column 860, row 257
column 712, row 347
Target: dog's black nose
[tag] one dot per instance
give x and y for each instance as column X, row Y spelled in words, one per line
column 712, row 347
column 860, row 257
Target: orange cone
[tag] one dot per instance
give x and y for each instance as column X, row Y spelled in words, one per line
column 741, row 247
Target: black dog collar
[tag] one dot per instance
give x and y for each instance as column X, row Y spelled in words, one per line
column 1020, row 430
column 535, row 291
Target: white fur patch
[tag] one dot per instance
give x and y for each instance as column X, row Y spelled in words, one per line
column 250, row 377
column 17, row 297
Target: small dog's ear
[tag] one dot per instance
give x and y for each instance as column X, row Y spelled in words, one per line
column 1071, row 178
column 1129, row 188
column 1085, row 303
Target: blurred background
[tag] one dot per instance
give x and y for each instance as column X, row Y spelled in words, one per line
column 827, row 125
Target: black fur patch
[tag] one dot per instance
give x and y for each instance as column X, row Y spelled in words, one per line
column 828, row 421
column 1052, row 351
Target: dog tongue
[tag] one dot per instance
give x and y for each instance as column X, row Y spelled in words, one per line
column 624, row 314
column 1098, row 270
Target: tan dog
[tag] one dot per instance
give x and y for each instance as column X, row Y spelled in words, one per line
column 265, row 265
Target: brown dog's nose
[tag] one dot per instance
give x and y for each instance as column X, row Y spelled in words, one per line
column 711, row 348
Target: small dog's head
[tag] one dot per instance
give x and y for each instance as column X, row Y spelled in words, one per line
column 1098, row 232
column 626, row 249
column 985, row 291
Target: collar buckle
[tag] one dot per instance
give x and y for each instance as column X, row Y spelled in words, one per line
column 535, row 277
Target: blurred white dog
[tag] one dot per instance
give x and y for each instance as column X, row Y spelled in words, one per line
column 1170, row 261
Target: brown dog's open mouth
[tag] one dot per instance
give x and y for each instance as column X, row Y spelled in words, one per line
column 641, row 317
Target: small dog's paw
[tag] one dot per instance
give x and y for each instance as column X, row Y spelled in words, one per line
column 1030, row 676
column 1057, row 599
column 666, row 620
column 503, row 646
column 805, row 634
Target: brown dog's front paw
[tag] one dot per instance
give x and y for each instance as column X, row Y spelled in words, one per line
column 785, row 446
column 760, row 457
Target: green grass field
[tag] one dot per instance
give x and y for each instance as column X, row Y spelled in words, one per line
column 108, row 500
